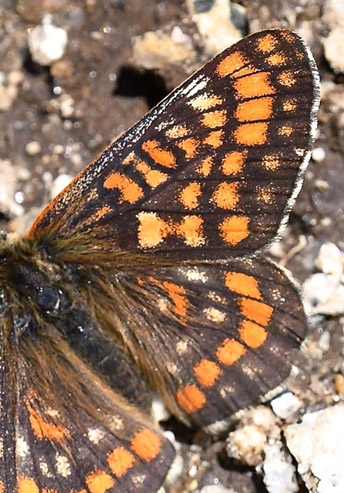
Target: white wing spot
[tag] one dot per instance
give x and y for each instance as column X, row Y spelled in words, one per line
column 194, row 274
column 182, row 347
column 22, row 447
column 225, row 391
column 163, row 304
column 45, row 469
column 62, row 466
column 212, row 295
column 117, row 423
column 299, row 152
column 95, row 435
column 214, row 315
column 139, row 479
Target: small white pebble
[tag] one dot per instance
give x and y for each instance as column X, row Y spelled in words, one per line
column 285, row 405
column 278, row 471
column 33, row 148
column 317, row 443
column 58, row 149
column 19, row 197
column 330, row 259
column 318, row 154
column 324, row 342
column 323, row 293
column 334, row 49
column 47, row 43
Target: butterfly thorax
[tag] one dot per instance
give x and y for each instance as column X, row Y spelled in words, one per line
column 50, row 301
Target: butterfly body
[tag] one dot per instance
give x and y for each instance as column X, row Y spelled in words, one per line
column 146, row 273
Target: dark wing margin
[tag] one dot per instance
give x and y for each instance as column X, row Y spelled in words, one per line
column 212, row 171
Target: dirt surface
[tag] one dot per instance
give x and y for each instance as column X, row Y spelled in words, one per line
column 55, row 119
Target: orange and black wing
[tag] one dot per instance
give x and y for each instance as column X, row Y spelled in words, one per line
column 214, row 337
column 76, row 435
column 211, row 171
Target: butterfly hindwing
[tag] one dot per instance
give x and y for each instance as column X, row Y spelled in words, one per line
column 221, row 335
column 212, row 170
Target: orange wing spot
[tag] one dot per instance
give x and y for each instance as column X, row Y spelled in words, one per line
column 1, row 487
column 153, row 177
column 285, row 130
column 120, row 460
column 288, row 36
column 214, row 119
column 129, row 159
column 140, row 281
column 27, row 485
column 191, row 398
column 271, row 162
column 252, row 334
column 231, row 63
column 276, row 60
column 214, row 139
column 152, row 229
column 189, row 195
column 204, row 168
column 100, row 213
column 242, row 284
column 159, row 155
column 230, row 351
column 204, row 102
column 250, row 134
column 207, row 372
column 289, row 105
column 191, row 229
column 178, row 296
column 233, row 162
column 254, row 85
column 234, row 229
column 177, row 131
column 146, row 444
column 255, row 109
column 130, row 191
column 226, row 195
column 267, row 43
column 286, row 78
column 99, row 482
column 190, row 147
column 256, row 310
column 40, row 428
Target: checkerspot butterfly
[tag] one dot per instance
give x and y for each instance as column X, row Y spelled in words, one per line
column 144, row 273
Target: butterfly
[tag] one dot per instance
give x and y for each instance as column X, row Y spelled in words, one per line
column 146, row 273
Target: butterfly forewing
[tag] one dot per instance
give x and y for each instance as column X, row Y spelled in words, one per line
column 212, row 170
